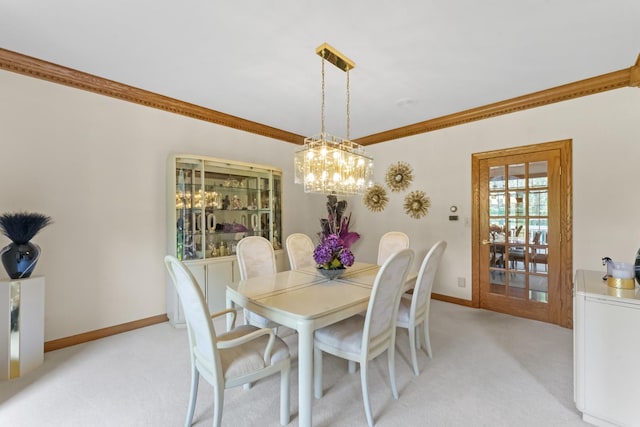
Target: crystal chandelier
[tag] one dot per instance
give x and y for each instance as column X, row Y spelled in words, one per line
column 329, row 164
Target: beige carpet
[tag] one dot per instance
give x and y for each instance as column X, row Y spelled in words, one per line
column 488, row 369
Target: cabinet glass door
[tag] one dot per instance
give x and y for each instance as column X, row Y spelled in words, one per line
column 189, row 174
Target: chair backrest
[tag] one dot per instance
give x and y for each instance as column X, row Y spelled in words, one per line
column 390, row 243
column 385, row 298
column 518, row 230
column 426, row 276
column 255, row 257
column 300, row 251
column 202, row 335
column 536, row 238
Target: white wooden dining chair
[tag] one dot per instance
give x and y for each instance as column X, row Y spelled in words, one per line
column 256, row 258
column 390, row 243
column 300, row 251
column 413, row 312
column 361, row 339
column 243, row 355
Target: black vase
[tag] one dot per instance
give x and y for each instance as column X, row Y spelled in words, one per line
column 20, row 259
column 637, row 266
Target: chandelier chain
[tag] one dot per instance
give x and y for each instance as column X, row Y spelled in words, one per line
column 322, row 108
column 348, row 109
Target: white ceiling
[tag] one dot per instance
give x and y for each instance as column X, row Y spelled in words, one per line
column 415, row 59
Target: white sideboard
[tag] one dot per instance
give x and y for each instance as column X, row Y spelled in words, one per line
column 21, row 326
column 606, row 341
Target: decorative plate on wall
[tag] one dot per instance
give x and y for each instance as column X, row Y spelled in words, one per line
column 375, row 198
column 399, row 176
column 417, row 204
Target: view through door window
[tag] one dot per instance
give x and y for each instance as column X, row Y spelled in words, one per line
column 518, row 225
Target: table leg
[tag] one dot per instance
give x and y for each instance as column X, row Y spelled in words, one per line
column 305, row 373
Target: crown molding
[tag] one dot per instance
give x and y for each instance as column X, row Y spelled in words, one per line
column 634, row 74
column 22, row 64
column 614, row 80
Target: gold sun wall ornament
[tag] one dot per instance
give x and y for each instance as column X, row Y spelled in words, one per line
column 399, row 176
column 375, row 198
column 416, row 204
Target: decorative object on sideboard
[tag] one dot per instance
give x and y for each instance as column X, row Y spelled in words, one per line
column 417, row 204
column 399, row 176
column 375, row 199
column 619, row 274
column 20, row 256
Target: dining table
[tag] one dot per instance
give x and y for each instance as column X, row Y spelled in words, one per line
column 305, row 300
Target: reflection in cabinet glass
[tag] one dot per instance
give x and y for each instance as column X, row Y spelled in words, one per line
column 213, row 203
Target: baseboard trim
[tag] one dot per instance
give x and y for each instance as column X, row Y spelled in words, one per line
column 453, row 300
column 104, row 332
column 136, row 324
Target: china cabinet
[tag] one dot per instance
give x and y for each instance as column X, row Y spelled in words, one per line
column 212, row 204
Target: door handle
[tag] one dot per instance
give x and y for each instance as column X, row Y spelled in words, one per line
column 486, row 242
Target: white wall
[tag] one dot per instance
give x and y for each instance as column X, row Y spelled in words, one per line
column 605, row 130
column 97, row 166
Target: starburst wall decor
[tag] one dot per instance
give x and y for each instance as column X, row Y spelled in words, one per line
column 375, row 198
column 417, row 204
column 399, row 176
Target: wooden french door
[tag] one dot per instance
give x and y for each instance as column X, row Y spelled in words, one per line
column 520, row 234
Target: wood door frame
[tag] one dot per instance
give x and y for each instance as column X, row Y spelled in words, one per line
column 565, row 316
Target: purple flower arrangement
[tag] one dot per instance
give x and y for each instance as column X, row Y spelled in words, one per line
column 332, row 254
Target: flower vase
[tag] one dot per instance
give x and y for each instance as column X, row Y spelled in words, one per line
column 19, row 260
column 332, row 274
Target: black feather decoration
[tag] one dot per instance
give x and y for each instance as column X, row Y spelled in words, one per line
column 21, row 227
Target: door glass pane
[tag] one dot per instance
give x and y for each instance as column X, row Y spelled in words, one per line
column 538, row 289
column 516, row 230
column 517, row 176
column 538, row 203
column 496, row 178
column 517, row 285
column 538, row 176
column 517, row 258
column 517, row 202
column 497, row 282
column 496, row 204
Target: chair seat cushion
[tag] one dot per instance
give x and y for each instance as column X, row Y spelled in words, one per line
column 248, row 357
column 345, row 335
